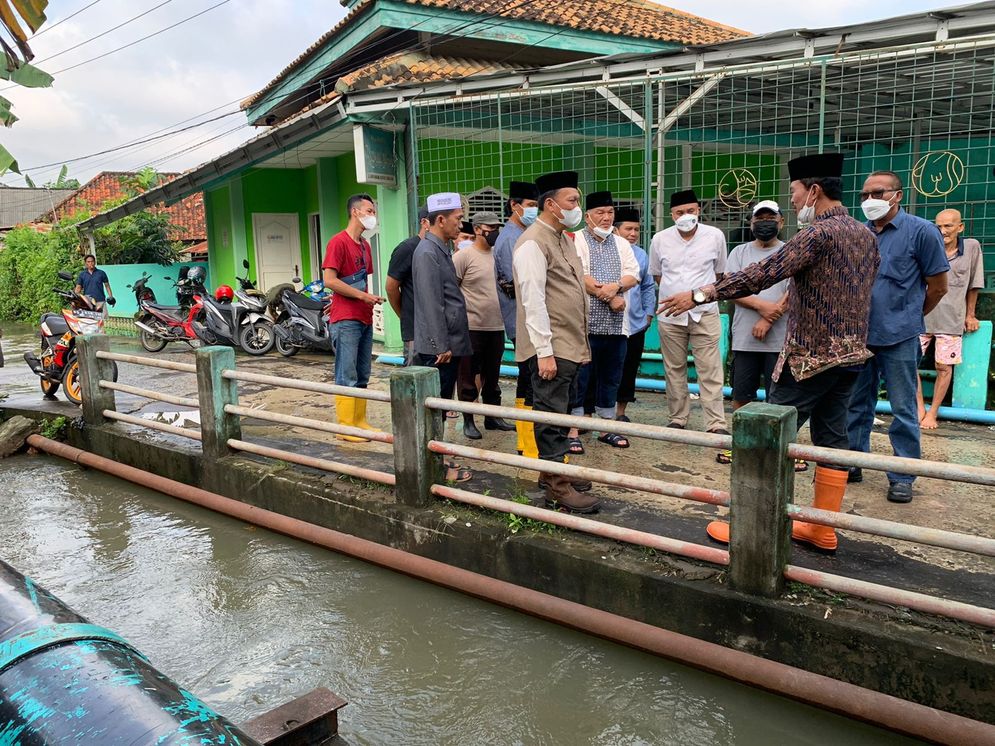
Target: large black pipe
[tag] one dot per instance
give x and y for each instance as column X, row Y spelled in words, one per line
column 64, row 680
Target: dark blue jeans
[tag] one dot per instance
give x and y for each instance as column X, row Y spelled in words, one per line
column 898, row 365
column 604, row 372
column 353, row 352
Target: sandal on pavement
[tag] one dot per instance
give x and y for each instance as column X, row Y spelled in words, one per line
column 456, row 473
column 801, row 464
column 724, row 457
column 614, row 440
column 576, row 447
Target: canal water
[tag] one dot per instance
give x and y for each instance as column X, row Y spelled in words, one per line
column 249, row 619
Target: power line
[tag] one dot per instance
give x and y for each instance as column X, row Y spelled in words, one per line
column 103, row 33
column 63, row 20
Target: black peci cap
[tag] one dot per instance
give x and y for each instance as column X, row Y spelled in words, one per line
column 815, row 166
column 522, row 190
column 685, row 197
column 558, row 180
column 598, row 199
column 626, row 215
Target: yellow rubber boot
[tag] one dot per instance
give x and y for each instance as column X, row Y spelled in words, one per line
column 361, row 416
column 520, row 428
column 345, row 410
column 830, row 486
column 530, row 449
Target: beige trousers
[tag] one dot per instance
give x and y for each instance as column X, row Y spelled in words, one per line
column 703, row 339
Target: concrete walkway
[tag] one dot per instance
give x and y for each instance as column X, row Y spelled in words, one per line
column 948, row 505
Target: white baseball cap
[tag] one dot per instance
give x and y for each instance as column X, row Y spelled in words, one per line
column 767, row 204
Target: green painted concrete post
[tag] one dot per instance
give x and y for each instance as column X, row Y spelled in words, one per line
column 215, row 391
column 91, row 371
column 763, row 484
column 415, row 467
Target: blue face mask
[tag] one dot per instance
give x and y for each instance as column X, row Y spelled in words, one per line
column 529, row 215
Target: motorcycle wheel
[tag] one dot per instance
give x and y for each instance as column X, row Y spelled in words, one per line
column 284, row 347
column 150, row 342
column 71, row 385
column 256, row 339
column 48, row 388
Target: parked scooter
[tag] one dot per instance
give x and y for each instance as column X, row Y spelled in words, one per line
column 302, row 322
column 255, row 328
column 59, row 364
column 158, row 325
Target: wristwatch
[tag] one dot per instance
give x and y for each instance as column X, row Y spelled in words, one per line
column 698, row 296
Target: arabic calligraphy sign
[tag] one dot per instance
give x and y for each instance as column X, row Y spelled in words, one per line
column 737, row 188
column 938, row 173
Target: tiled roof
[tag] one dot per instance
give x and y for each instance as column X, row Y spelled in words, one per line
column 641, row 19
column 187, row 215
column 414, row 67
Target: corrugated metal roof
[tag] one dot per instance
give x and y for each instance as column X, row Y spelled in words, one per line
column 23, row 205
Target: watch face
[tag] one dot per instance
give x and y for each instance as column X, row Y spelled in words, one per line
column 698, row 296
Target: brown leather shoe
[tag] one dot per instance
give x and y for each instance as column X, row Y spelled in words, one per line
column 561, row 494
column 581, row 485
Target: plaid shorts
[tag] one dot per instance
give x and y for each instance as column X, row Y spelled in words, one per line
column 948, row 347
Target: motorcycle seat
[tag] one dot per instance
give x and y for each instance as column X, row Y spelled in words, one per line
column 55, row 322
column 164, row 308
column 308, row 304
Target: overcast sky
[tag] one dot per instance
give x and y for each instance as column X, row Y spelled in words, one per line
column 215, row 60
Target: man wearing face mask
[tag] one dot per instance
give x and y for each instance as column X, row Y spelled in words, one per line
column 523, row 209
column 464, row 240
column 552, row 324
column 911, row 281
column 610, row 269
column 832, row 264
column 400, row 285
column 690, row 254
column 347, row 264
column 475, row 274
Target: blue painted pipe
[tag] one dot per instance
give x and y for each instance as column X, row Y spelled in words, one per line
column 975, row 416
column 64, row 680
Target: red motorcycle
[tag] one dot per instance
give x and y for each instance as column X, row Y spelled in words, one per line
column 158, row 325
column 59, row 364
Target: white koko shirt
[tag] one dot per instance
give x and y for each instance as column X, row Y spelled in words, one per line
column 684, row 265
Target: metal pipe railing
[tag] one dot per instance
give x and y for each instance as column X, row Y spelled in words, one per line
column 182, row 401
column 899, row 465
column 654, row 486
column 587, row 526
column 328, row 427
column 893, row 530
column 183, row 432
column 312, row 386
column 148, row 361
column 894, row 596
column 652, row 432
column 336, row 467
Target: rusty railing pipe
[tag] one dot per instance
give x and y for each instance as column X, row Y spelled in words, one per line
column 905, row 717
column 336, row 467
column 289, row 419
column 181, row 401
column 162, row 427
column 880, row 462
column 151, row 362
column 313, row 386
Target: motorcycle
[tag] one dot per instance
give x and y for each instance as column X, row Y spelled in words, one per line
column 59, row 362
column 302, row 321
column 158, row 325
column 255, row 328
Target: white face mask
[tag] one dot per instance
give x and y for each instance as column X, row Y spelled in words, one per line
column 600, row 232
column 466, row 244
column 369, row 222
column 529, row 215
column 571, row 218
column 686, row 223
column 875, row 209
column 806, row 215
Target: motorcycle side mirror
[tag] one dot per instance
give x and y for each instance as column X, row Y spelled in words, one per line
column 65, row 276
column 166, row 277
column 296, row 279
column 245, row 263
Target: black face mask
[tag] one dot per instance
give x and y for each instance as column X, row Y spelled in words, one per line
column 765, row 230
column 492, row 237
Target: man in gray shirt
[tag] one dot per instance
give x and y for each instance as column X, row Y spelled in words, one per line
column 759, row 323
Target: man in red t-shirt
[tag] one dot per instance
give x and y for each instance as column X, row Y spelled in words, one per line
column 347, row 265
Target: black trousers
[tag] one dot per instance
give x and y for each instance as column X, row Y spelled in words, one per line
column 633, row 356
column 823, row 399
column 485, row 361
column 447, row 373
column 554, row 395
column 523, row 389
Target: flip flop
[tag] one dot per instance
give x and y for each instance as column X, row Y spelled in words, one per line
column 576, row 447
column 458, row 474
column 723, row 457
column 801, row 465
column 614, row 440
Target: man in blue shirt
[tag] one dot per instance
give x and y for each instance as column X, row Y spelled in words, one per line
column 523, row 208
column 92, row 281
column 911, row 280
column 641, row 301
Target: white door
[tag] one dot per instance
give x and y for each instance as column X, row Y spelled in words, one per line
column 278, row 247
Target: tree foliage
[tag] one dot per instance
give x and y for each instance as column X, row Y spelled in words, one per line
column 18, row 19
column 28, row 267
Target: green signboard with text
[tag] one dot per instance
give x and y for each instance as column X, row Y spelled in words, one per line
column 375, row 159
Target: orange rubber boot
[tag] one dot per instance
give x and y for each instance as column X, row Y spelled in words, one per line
column 718, row 530
column 830, row 486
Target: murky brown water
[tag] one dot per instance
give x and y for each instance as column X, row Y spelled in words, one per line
column 248, row 619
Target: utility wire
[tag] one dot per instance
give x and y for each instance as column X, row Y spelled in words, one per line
column 103, row 33
column 63, row 20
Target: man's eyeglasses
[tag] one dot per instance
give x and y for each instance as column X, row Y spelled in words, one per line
column 876, row 194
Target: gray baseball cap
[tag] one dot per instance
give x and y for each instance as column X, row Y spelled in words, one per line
column 485, row 218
